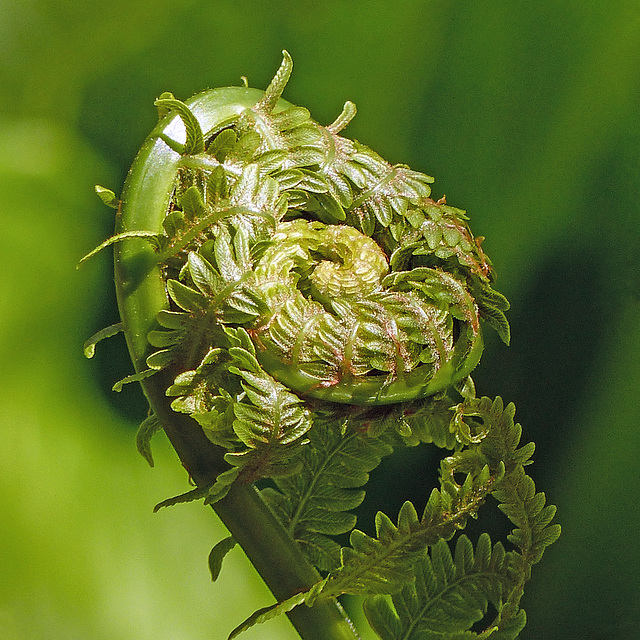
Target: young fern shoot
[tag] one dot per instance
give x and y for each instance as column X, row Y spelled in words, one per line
column 296, row 308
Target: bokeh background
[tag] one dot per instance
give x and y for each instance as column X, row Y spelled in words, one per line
column 527, row 114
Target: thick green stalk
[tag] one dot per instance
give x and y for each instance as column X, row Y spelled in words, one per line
column 269, row 547
column 141, row 295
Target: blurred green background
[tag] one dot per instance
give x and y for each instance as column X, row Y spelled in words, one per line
column 527, row 114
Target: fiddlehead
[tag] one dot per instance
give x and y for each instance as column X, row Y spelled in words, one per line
column 304, row 306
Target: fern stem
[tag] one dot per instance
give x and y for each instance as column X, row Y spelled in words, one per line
column 282, row 564
column 141, row 294
column 267, row 544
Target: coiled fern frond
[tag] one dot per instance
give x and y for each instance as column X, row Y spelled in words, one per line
column 297, row 307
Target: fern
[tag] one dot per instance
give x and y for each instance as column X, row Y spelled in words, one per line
column 515, row 492
column 384, row 564
column 313, row 309
column 261, row 423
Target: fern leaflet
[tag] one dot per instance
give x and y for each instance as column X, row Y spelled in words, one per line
column 315, row 502
column 448, row 596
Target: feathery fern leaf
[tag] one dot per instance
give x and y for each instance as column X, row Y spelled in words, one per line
column 315, row 502
column 394, row 562
column 448, row 596
column 515, row 492
column 245, row 410
column 383, row 565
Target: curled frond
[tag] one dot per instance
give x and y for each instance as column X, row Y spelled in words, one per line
column 316, row 307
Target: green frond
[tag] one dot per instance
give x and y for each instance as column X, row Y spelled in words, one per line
column 502, row 433
column 269, row 413
column 449, row 595
column 315, row 502
column 384, row 565
column 514, row 490
column 245, row 410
